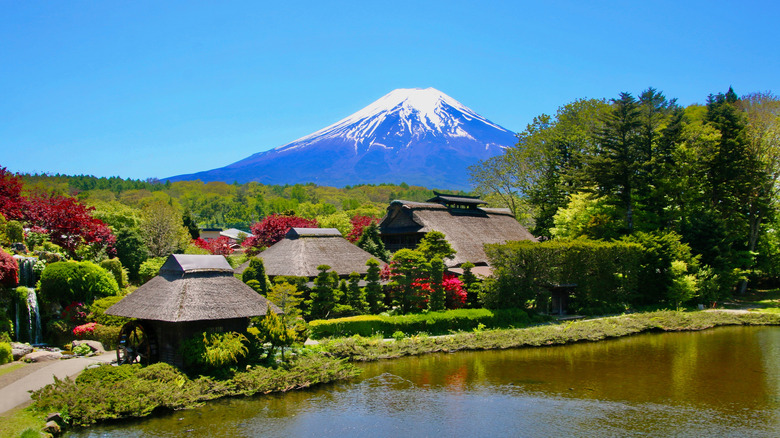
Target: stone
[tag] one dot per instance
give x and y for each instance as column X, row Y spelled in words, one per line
column 53, row 428
column 19, row 350
column 55, row 416
column 42, row 356
column 95, row 346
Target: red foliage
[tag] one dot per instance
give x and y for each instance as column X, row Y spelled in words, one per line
column 9, row 270
column 84, row 330
column 272, row 229
column 218, row 246
column 12, row 204
column 359, row 222
column 454, row 291
column 68, row 223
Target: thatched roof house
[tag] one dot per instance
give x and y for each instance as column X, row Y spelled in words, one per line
column 466, row 225
column 303, row 249
column 191, row 294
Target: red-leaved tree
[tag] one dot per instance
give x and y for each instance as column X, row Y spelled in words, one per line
column 359, row 222
column 454, row 291
column 9, row 270
column 272, row 229
column 68, row 223
column 12, row 204
column 218, row 246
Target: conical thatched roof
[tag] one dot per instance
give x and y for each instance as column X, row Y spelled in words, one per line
column 193, row 288
column 467, row 229
column 303, row 249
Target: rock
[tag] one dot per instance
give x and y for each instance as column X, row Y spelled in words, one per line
column 54, row 416
column 96, row 346
column 19, row 350
column 42, row 356
column 53, row 428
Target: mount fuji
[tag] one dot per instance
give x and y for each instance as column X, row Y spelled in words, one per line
column 418, row 136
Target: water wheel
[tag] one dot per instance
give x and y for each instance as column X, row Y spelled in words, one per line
column 137, row 344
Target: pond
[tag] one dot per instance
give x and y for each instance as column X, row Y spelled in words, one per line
column 719, row 382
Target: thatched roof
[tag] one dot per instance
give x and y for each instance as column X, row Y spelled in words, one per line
column 466, row 231
column 193, row 288
column 303, row 249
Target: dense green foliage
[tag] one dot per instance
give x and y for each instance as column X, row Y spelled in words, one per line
column 6, row 355
column 107, row 392
column 214, row 352
column 67, row 282
column 433, row 323
column 98, row 308
column 114, row 266
column 150, row 268
column 605, row 273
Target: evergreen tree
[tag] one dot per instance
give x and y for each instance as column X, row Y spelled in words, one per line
column 434, row 245
column 371, row 242
column 190, row 224
column 472, row 285
column 374, row 293
column 407, row 268
column 324, row 296
column 256, row 271
column 356, row 296
column 438, row 298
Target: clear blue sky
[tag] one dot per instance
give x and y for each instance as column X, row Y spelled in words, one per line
column 154, row 89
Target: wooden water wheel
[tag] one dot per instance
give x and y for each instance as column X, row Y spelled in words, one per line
column 137, row 344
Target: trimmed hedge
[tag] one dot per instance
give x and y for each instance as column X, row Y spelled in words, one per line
column 606, row 273
column 433, row 323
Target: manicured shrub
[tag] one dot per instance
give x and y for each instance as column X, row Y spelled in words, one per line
column 6, row 354
column 106, row 335
column 433, row 323
column 67, row 282
column 256, row 271
column 150, row 268
column 97, row 312
column 114, row 266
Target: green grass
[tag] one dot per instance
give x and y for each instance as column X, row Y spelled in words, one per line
column 10, row 368
column 21, row 422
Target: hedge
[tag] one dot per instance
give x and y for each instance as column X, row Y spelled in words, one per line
column 606, row 273
column 66, row 282
column 433, row 323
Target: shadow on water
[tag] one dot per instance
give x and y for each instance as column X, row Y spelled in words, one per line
column 721, row 382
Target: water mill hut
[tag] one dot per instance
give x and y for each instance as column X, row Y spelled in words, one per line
column 466, row 223
column 191, row 294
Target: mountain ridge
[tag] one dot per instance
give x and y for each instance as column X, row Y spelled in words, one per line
column 417, row 136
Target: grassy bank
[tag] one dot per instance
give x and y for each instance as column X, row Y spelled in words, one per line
column 368, row 349
column 130, row 391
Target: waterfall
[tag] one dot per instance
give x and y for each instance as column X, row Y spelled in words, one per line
column 33, row 317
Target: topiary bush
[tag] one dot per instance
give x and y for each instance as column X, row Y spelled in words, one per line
column 67, row 282
column 6, row 354
column 114, row 266
column 97, row 312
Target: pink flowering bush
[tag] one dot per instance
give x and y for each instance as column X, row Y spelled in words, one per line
column 84, row 330
column 455, row 292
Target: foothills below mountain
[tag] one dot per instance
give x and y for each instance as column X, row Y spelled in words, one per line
column 417, row 136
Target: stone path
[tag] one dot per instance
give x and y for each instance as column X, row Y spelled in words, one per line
column 15, row 386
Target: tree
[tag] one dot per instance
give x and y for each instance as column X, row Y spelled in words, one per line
column 9, row 270
column 471, row 284
column 434, row 245
column 374, row 294
column 359, row 223
column 131, row 250
column 219, row 246
column 272, row 229
column 324, row 296
column 12, row 204
column 190, row 224
column 410, row 280
column 162, row 230
column 371, row 242
column 438, row 298
column 356, row 296
column 288, row 298
column 273, row 331
column 256, row 271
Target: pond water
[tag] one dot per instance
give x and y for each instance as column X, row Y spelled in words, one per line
column 720, row 382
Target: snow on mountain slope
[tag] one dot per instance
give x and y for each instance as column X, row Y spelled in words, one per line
column 417, row 136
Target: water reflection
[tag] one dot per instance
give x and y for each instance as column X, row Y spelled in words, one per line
column 722, row 382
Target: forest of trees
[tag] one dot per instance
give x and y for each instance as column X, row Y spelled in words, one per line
column 609, row 169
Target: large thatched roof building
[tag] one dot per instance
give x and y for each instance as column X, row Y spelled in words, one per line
column 466, row 225
column 191, row 294
column 303, row 249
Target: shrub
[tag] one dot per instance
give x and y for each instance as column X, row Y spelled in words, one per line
column 114, row 266
column 434, row 323
column 150, row 268
column 106, row 335
column 14, row 231
column 97, row 312
column 85, row 330
column 214, row 352
column 6, row 354
column 81, row 350
column 66, row 282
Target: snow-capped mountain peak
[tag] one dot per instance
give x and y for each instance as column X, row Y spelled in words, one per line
column 412, row 135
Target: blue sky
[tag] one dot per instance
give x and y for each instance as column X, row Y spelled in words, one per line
column 154, row 89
